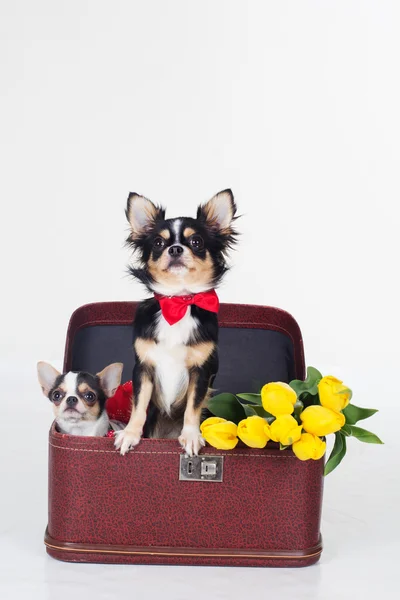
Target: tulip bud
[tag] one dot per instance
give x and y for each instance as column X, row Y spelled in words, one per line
column 219, row 433
column 321, row 421
column 309, row 446
column 333, row 394
column 278, row 398
column 253, row 432
column 285, row 430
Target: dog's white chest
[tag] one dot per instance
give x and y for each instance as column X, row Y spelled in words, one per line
column 169, row 357
column 96, row 428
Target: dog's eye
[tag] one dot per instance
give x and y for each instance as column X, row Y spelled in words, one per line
column 196, row 242
column 57, row 396
column 159, row 243
column 89, row 396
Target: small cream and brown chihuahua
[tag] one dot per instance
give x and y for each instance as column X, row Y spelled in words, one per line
column 79, row 398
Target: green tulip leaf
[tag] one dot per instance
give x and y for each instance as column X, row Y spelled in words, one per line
column 298, row 386
column 262, row 413
column 309, row 385
column 308, row 399
column 361, row 434
column 313, row 374
column 250, row 398
column 249, row 410
column 354, row 413
column 282, row 447
column 298, row 408
column 346, row 430
column 311, row 399
column 337, row 454
column 226, row 406
column 254, row 409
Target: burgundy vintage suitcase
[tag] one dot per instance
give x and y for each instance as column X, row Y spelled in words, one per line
column 243, row 507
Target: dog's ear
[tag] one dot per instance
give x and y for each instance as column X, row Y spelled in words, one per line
column 110, row 378
column 142, row 214
column 47, row 376
column 218, row 213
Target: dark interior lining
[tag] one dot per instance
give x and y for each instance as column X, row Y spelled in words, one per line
column 248, row 357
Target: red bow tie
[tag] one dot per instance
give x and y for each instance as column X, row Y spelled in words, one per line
column 173, row 308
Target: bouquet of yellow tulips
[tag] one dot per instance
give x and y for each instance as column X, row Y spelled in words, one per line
column 278, row 413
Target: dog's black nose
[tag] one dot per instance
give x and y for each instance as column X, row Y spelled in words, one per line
column 175, row 250
column 72, row 400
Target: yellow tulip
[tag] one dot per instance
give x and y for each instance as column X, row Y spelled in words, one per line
column 285, row 430
column 333, row 394
column 219, row 433
column 278, row 398
column 211, row 421
column 321, row 421
column 309, row 446
column 252, row 432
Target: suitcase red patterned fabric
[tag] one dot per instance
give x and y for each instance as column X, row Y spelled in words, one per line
column 243, row 507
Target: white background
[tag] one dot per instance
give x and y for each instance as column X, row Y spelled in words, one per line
column 295, row 106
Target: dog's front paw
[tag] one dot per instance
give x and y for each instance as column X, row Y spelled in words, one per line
column 126, row 439
column 191, row 440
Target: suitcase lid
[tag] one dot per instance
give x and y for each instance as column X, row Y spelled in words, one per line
column 257, row 344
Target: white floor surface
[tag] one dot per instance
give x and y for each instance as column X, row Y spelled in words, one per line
column 360, row 527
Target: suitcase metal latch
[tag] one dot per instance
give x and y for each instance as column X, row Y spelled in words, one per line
column 201, row 468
